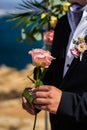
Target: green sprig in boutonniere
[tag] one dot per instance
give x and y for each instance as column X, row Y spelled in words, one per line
column 80, row 47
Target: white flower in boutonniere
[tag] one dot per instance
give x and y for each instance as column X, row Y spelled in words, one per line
column 80, row 47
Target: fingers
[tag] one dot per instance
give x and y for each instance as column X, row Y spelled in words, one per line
column 29, row 90
column 42, row 88
column 42, row 95
column 41, row 107
column 41, row 92
column 28, row 107
column 24, row 102
column 45, row 98
column 42, row 101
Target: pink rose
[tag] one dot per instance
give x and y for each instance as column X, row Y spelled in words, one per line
column 75, row 53
column 48, row 37
column 41, row 57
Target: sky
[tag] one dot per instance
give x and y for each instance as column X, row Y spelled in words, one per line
column 9, row 6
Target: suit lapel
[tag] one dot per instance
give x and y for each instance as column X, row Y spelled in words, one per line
column 81, row 30
column 69, row 72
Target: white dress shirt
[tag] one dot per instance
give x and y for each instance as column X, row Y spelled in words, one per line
column 77, row 16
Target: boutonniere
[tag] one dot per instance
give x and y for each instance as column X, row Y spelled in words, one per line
column 80, row 47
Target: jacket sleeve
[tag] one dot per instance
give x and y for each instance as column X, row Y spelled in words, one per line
column 74, row 105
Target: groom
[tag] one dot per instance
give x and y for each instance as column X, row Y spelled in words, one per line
column 64, row 94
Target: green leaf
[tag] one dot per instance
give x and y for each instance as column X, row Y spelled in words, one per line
column 23, row 34
column 38, row 83
column 27, row 22
column 38, row 36
column 55, row 2
column 30, row 38
column 28, row 96
column 31, row 79
column 19, row 21
column 12, row 18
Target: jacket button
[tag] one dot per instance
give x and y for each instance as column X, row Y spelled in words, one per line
column 68, row 65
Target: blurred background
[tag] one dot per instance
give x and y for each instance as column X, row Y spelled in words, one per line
column 15, row 65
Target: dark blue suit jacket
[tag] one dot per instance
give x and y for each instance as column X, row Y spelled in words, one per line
column 72, row 111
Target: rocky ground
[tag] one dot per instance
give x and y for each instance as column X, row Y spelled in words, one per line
column 12, row 115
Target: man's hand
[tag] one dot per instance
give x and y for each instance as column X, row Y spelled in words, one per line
column 30, row 108
column 47, row 98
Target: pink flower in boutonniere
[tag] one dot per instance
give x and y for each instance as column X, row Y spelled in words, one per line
column 80, row 47
column 74, row 52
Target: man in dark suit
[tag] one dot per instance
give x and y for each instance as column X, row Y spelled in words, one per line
column 64, row 94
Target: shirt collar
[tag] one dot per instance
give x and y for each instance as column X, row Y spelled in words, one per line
column 74, row 14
